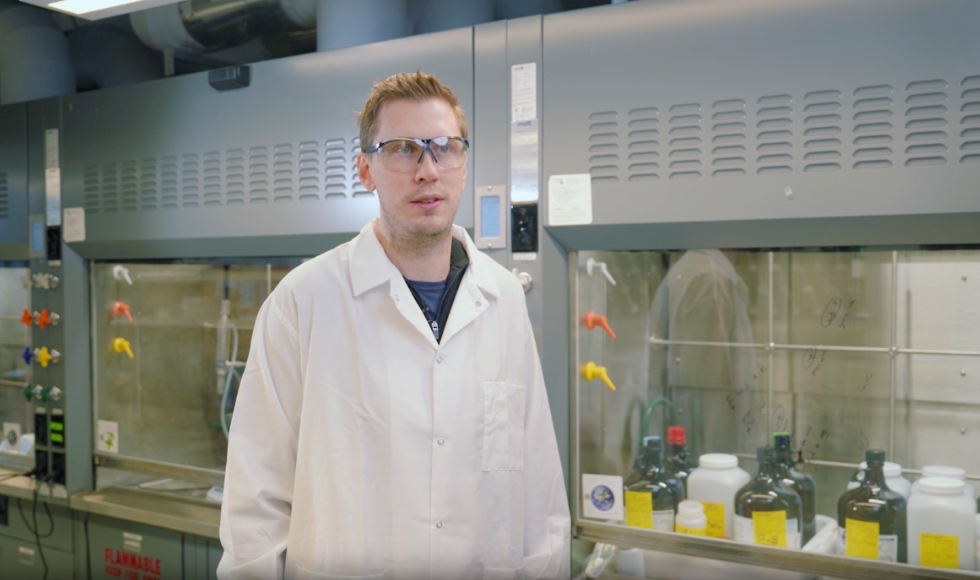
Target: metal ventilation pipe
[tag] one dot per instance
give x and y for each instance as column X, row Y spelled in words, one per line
column 345, row 23
column 209, row 25
column 35, row 61
column 107, row 56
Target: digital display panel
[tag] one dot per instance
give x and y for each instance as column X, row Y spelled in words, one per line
column 490, row 216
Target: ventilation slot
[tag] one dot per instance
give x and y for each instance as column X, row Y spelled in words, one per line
column 109, row 180
column 686, row 141
column 970, row 107
column 4, row 197
column 774, row 122
column 823, row 121
column 91, row 189
column 926, row 117
column 604, row 143
column 729, row 132
column 643, row 149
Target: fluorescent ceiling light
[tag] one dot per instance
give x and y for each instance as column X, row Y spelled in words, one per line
column 83, row 6
column 99, row 9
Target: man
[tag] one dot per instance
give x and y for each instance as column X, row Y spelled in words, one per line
column 392, row 420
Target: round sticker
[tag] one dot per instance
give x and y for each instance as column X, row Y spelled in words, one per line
column 603, row 498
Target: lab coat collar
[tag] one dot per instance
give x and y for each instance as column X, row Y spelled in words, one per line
column 370, row 266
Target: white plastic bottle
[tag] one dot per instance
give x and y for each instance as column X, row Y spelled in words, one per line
column 893, row 477
column 691, row 519
column 714, row 483
column 945, row 471
column 942, row 525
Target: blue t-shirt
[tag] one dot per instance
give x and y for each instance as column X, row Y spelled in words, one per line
column 430, row 293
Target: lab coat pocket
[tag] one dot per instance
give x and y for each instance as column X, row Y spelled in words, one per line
column 503, row 573
column 305, row 574
column 503, row 426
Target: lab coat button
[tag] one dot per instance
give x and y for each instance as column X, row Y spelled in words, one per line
column 478, row 303
column 439, row 524
column 441, row 441
column 439, row 360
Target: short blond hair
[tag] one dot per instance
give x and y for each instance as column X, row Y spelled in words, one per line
column 415, row 86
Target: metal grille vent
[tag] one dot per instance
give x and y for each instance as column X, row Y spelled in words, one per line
column 728, row 136
column 970, row 120
column 685, row 153
column 822, row 129
column 926, row 123
column 4, row 196
column 282, row 173
column 774, row 134
column 873, row 126
column 643, row 155
column 604, row 146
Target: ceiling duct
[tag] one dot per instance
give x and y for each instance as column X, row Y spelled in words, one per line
column 345, row 23
column 35, row 61
column 210, row 25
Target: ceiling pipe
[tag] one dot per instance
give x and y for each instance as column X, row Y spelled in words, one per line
column 210, row 25
column 35, row 61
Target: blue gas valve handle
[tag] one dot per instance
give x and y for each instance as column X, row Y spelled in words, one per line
column 27, row 355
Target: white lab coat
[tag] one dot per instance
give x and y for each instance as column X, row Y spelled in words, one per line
column 361, row 448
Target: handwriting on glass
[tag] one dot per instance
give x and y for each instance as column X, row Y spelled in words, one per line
column 810, row 356
column 867, row 381
column 779, row 422
column 832, row 311
column 748, row 420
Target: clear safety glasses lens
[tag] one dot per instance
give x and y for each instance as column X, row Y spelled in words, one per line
column 404, row 154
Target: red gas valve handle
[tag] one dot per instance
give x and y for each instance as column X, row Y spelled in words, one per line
column 592, row 320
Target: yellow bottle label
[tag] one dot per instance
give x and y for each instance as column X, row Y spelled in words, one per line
column 715, row 512
column 639, row 509
column 682, row 530
column 862, row 539
column 770, row 528
column 936, row 551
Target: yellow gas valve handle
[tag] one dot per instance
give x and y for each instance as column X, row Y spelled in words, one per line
column 122, row 345
column 590, row 371
column 43, row 356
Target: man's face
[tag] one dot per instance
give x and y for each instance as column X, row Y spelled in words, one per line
column 420, row 205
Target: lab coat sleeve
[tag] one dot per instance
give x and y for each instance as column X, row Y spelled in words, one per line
column 258, row 492
column 547, row 523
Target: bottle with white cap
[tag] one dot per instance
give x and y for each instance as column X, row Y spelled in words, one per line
column 714, row 483
column 690, row 519
column 893, row 477
column 941, row 525
column 944, row 471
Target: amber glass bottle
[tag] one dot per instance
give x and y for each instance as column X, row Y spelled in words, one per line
column 873, row 516
column 767, row 512
column 651, row 501
column 802, row 483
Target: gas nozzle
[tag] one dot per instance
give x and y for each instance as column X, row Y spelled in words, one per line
column 591, row 320
column 590, row 371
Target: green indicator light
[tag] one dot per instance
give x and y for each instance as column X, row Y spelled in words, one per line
column 55, row 438
column 57, row 426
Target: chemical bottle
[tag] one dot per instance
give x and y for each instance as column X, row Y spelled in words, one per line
column 942, row 525
column 714, row 483
column 893, row 476
column 802, row 483
column 691, row 519
column 678, row 461
column 652, row 501
column 768, row 512
column 873, row 516
column 944, row 471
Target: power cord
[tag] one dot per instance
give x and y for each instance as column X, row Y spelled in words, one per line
column 35, row 529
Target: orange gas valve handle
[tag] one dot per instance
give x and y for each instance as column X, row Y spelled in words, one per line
column 122, row 345
column 590, row 371
column 120, row 308
column 26, row 318
column 592, row 320
column 44, row 319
